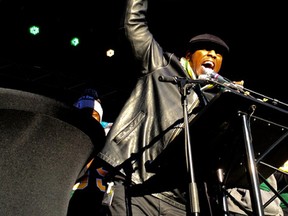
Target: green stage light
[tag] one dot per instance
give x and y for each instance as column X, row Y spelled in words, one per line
column 75, row 41
column 34, row 30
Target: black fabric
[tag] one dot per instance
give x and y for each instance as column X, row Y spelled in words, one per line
column 282, row 181
column 44, row 146
column 87, row 199
column 91, row 92
column 127, row 201
column 208, row 39
column 285, row 211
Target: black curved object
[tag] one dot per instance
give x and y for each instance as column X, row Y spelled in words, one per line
column 44, row 145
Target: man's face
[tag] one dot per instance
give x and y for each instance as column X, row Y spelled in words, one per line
column 96, row 115
column 205, row 58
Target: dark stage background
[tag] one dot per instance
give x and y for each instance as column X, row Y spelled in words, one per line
column 47, row 64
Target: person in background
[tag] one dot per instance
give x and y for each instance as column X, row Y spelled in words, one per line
column 239, row 201
column 89, row 102
column 282, row 180
column 87, row 193
column 278, row 180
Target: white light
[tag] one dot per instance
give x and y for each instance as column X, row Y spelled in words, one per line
column 110, row 52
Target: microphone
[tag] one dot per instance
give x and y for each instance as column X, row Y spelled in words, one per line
column 172, row 79
column 181, row 80
column 209, row 74
column 215, row 76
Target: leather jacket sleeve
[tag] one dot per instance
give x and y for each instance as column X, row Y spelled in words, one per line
column 144, row 46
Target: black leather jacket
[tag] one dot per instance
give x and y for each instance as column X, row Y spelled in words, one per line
column 153, row 115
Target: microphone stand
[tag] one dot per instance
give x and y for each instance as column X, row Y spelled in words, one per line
column 185, row 85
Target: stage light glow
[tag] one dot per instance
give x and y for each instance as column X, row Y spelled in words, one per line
column 75, row 41
column 110, row 53
column 34, row 30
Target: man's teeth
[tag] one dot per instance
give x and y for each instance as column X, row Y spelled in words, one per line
column 208, row 64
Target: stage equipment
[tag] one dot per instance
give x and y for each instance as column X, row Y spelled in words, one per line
column 233, row 138
column 44, row 146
